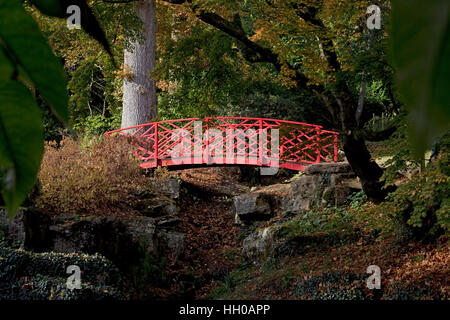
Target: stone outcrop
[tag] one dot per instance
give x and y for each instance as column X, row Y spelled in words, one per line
column 116, row 238
column 157, row 207
column 28, row 229
column 161, row 200
column 12, row 231
column 168, row 187
column 278, row 240
column 171, row 243
column 250, row 207
column 322, row 184
column 259, row 245
column 339, row 167
column 260, row 204
column 122, row 240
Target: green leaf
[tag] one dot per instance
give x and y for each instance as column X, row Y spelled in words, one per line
column 6, row 67
column 21, row 143
column 51, row 8
column 420, row 44
column 21, row 35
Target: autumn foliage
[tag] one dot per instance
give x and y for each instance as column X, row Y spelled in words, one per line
column 98, row 179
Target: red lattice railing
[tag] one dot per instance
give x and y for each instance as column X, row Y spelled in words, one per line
column 232, row 140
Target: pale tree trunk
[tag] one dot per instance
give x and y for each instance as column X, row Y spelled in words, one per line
column 139, row 90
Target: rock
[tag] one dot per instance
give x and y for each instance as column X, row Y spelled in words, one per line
column 201, row 184
column 279, row 240
column 339, row 178
column 167, row 187
column 82, row 235
column 27, row 230
column 336, row 196
column 63, row 217
column 306, row 192
column 143, row 194
column 13, row 230
column 322, row 184
column 156, row 207
column 168, row 223
column 37, row 235
column 341, row 156
column 143, row 232
column 259, row 245
column 307, row 184
column 409, row 173
column 159, row 201
column 251, row 207
column 123, row 241
column 331, row 167
column 276, row 192
column 172, row 243
column 352, row 183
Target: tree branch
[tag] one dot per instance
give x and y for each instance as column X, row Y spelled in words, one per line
column 308, row 14
column 376, row 136
column 251, row 51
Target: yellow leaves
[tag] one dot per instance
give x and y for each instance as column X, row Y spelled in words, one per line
column 124, row 73
column 259, row 34
column 287, row 76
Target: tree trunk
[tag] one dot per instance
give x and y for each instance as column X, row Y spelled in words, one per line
column 356, row 152
column 368, row 171
column 139, row 90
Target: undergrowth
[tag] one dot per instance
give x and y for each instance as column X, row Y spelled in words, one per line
column 96, row 179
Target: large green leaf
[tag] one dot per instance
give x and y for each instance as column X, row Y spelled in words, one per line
column 6, row 67
column 53, row 8
column 21, row 35
column 21, row 143
column 420, row 43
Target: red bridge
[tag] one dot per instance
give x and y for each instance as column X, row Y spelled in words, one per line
column 231, row 141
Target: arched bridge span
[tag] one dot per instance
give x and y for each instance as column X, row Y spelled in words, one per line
column 232, row 141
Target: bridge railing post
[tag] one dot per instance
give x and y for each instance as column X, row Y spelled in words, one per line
column 206, row 142
column 335, row 147
column 156, row 143
column 318, row 144
column 260, row 151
